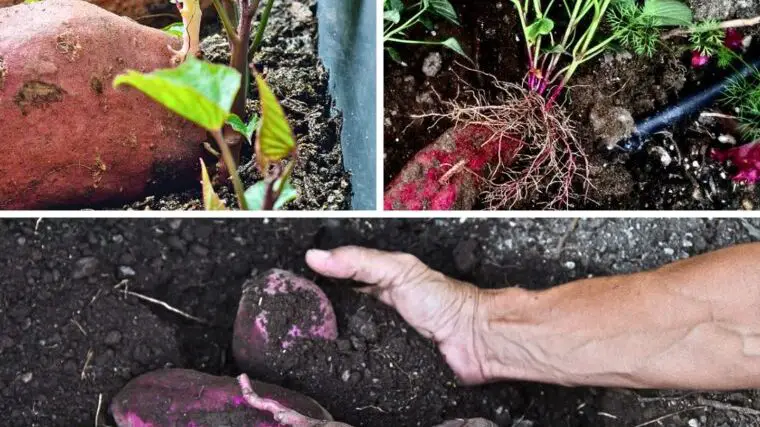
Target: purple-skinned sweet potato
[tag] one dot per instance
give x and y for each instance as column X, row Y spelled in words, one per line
column 276, row 311
column 68, row 137
column 179, row 397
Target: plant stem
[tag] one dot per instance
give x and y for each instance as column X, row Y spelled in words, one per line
column 260, row 30
column 226, row 22
column 413, row 20
column 231, row 164
column 736, row 23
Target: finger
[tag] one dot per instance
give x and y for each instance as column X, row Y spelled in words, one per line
column 370, row 266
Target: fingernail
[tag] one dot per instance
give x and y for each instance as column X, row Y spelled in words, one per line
column 318, row 255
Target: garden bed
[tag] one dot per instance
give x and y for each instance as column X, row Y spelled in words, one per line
column 68, row 337
column 619, row 180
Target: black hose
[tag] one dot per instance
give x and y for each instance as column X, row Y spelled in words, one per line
column 686, row 107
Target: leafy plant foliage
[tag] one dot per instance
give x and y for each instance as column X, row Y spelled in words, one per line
column 400, row 19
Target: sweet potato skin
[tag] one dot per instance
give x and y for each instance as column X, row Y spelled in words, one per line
column 70, row 138
column 179, row 397
column 264, row 326
column 426, row 183
column 132, row 8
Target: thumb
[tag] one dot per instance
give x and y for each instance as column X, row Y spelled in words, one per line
column 370, row 266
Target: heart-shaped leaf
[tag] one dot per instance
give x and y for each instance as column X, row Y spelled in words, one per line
column 199, row 91
column 274, row 141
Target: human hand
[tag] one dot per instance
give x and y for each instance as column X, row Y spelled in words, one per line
column 445, row 310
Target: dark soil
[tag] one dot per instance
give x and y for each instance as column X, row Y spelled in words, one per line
column 640, row 181
column 288, row 58
column 59, row 304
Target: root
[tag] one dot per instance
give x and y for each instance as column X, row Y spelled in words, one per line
column 546, row 164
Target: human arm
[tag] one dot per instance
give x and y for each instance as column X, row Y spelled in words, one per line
column 694, row 324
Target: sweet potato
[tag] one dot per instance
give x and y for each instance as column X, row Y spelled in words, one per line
column 276, row 311
column 69, row 138
column 444, row 175
column 179, row 397
column 132, row 8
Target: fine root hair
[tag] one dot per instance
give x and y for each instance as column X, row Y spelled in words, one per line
column 540, row 162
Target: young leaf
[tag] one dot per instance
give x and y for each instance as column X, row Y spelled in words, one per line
column 176, row 29
column 211, row 201
column 395, row 56
column 454, row 45
column 541, row 27
column 274, row 140
column 392, row 16
column 255, row 195
column 445, row 10
column 246, row 130
column 668, row 13
column 199, row 91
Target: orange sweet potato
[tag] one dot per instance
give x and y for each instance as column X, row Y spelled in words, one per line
column 68, row 137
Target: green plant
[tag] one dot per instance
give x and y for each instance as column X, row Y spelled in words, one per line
column 236, row 17
column 707, row 37
column 399, row 19
column 639, row 27
column 743, row 95
column 548, row 69
column 205, row 93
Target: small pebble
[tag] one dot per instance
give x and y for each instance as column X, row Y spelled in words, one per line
column 85, row 267
column 27, row 377
column 113, row 338
column 669, row 251
column 126, row 271
column 570, row 265
column 693, row 422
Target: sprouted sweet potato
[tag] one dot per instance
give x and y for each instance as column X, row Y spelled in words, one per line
column 276, row 311
column 179, row 397
column 70, row 138
column 446, row 174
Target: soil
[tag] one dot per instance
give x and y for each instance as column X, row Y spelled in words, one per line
column 68, row 336
column 642, row 86
column 288, row 58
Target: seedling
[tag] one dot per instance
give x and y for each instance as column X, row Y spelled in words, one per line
column 204, row 93
column 744, row 96
column 237, row 19
column 639, row 27
column 549, row 73
column 400, row 19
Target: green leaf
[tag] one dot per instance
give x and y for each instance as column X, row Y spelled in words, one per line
column 240, row 127
column 454, row 45
column 541, row 27
column 392, row 16
column 445, row 10
column 255, row 195
column 211, row 200
column 274, row 141
column 668, row 13
column 395, row 56
column 31, row 1
column 176, row 29
column 199, row 91
column 393, row 5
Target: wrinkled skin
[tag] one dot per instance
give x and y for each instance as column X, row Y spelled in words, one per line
column 70, row 138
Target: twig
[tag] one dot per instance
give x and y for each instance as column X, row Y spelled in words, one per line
column 97, row 411
column 162, row 304
column 736, row 23
column 718, row 116
column 726, row 407
column 78, row 325
column 37, row 225
column 664, row 417
column 563, row 240
column 86, row 366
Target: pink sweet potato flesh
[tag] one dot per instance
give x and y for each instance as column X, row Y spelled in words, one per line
column 178, row 397
column 68, row 137
column 426, row 183
column 277, row 311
